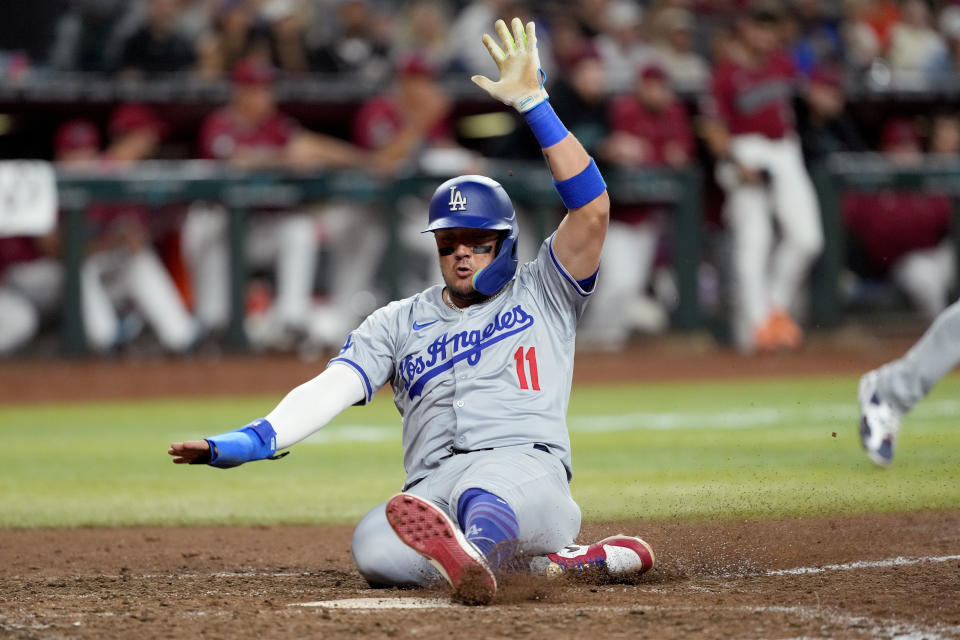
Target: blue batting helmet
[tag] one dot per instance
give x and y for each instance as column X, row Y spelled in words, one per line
column 477, row 202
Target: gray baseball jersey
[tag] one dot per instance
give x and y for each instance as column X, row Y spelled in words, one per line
column 491, row 375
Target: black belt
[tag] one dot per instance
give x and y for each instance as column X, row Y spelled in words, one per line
column 457, row 452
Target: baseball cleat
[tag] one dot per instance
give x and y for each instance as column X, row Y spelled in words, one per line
column 879, row 422
column 617, row 554
column 426, row 529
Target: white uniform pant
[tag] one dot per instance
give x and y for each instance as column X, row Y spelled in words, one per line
column 109, row 277
column 532, row 482
column 768, row 277
column 288, row 241
column 926, row 276
column 628, row 255
column 28, row 291
column 356, row 241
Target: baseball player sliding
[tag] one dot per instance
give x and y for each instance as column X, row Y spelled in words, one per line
column 480, row 369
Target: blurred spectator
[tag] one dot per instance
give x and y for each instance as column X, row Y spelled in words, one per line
column 904, row 234
column 360, row 45
column 156, row 47
column 822, row 120
column 424, row 31
column 620, row 46
column 760, row 167
column 649, row 128
column 122, row 266
column 914, row 44
column 475, row 19
column 863, row 43
column 948, row 61
column 84, row 35
column 945, row 136
column 591, row 15
column 882, row 16
column 566, row 40
column 685, row 67
column 236, row 34
column 286, row 21
column 818, row 40
column 250, row 133
column 580, row 97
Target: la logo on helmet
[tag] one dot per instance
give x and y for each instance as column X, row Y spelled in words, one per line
column 458, row 201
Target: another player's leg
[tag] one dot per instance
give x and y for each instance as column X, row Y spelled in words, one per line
column 888, row 393
column 798, row 215
column 750, row 224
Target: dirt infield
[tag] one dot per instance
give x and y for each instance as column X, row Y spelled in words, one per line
column 876, row 576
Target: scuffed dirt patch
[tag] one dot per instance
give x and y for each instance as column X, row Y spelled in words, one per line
column 712, row 581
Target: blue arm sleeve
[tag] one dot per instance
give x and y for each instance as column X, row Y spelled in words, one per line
column 256, row 441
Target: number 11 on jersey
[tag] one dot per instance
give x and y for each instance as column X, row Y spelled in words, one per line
column 531, row 360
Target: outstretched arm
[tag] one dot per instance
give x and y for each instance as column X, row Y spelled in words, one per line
column 302, row 412
column 579, row 238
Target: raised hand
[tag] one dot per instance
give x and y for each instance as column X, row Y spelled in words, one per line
column 521, row 79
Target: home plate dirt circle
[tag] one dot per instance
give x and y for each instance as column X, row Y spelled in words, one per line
column 380, row 603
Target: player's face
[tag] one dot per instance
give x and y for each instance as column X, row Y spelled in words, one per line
column 761, row 35
column 463, row 252
column 253, row 102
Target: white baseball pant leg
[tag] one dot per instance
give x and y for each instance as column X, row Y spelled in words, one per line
column 746, row 212
column 926, row 276
column 205, row 250
column 100, row 321
column 797, row 211
column 148, row 283
column 357, row 240
column 19, row 319
column 30, row 290
column 532, row 482
column 297, row 244
column 627, row 260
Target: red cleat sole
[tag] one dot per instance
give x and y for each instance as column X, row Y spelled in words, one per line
column 427, row 530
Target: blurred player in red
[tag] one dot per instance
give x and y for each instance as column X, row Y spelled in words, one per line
column 408, row 129
column 649, row 128
column 251, row 133
column 31, row 277
column 904, row 235
column 122, row 267
column 750, row 129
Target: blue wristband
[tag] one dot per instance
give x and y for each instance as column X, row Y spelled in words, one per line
column 255, row 441
column 545, row 124
column 581, row 188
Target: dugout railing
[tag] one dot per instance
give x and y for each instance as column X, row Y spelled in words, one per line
column 163, row 183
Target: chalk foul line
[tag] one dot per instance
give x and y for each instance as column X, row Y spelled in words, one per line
column 899, row 561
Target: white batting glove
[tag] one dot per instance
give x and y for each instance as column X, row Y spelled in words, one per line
column 521, row 79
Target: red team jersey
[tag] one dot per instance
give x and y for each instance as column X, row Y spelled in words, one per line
column 627, row 114
column 756, row 100
column 18, row 249
column 890, row 224
column 222, row 134
column 380, row 120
